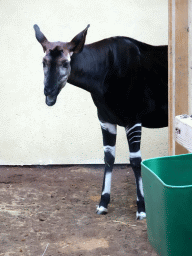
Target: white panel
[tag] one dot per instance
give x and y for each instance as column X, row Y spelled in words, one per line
column 69, row 132
column 183, row 131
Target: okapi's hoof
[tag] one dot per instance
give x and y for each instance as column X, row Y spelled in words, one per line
column 140, row 216
column 101, row 210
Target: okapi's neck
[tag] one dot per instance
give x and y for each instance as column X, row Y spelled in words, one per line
column 87, row 70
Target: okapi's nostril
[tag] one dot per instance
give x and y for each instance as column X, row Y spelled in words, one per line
column 48, row 92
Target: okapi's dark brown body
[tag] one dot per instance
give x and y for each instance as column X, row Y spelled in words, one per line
column 128, row 81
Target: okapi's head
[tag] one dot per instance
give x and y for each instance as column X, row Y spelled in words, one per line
column 56, row 63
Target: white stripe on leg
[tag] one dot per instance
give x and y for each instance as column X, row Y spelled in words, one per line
column 127, row 129
column 109, row 127
column 141, row 186
column 135, row 154
column 107, row 187
column 110, row 149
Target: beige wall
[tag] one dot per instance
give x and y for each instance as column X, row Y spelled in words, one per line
column 69, row 132
column 190, row 56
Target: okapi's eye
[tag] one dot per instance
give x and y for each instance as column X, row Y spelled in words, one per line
column 44, row 64
column 65, row 64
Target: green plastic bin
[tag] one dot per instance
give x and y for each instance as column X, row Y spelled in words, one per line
column 167, row 183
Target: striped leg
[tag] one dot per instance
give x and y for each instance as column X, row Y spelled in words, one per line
column 134, row 141
column 109, row 140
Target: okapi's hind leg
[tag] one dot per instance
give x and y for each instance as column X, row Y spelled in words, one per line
column 109, row 140
column 134, row 140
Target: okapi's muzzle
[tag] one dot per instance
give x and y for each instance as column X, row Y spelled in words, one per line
column 51, row 100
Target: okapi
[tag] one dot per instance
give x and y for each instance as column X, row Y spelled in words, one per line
column 128, row 82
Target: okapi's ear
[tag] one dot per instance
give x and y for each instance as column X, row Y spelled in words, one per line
column 77, row 43
column 40, row 37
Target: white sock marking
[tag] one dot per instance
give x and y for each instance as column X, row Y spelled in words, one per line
column 112, row 128
column 107, row 187
column 101, row 209
column 127, row 129
column 140, row 215
column 135, row 154
column 110, row 149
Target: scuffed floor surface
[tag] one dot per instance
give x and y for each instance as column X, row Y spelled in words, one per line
column 50, row 211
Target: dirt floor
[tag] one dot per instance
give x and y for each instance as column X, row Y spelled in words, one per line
column 50, row 210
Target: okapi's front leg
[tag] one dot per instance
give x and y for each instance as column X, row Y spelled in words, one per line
column 109, row 140
column 134, row 141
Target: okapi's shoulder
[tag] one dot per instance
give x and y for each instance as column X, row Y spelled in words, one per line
column 114, row 42
column 120, row 49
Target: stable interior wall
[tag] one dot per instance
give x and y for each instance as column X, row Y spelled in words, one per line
column 69, row 132
column 190, row 56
